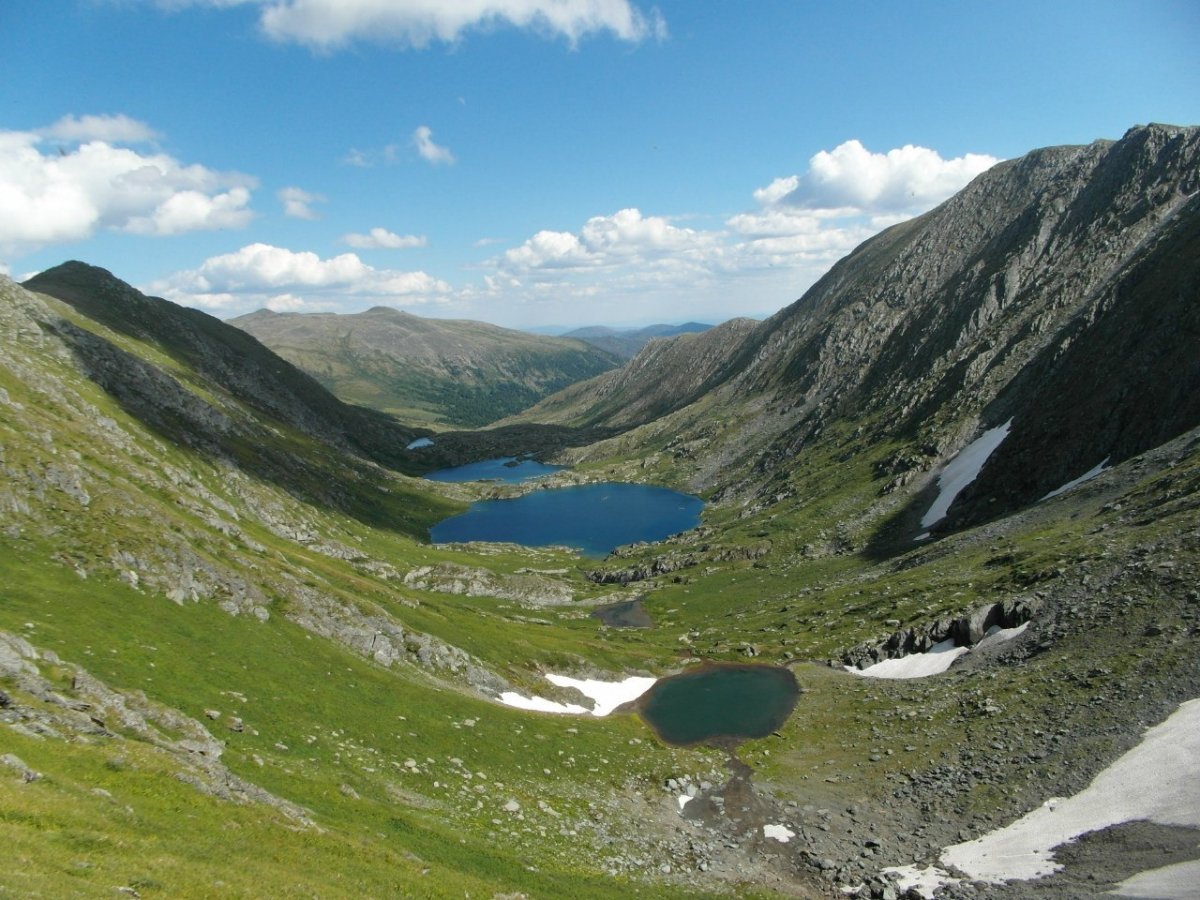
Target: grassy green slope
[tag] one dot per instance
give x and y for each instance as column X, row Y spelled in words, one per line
column 425, row 371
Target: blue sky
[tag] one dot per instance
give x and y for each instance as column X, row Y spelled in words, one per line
column 536, row 163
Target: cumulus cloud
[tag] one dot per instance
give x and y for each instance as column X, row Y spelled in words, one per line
column 625, row 237
column 431, row 152
column 905, row 179
column 381, row 238
column 846, row 195
column 297, row 202
column 259, row 274
column 52, row 196
column 328, row 24
column 120, row 129
column 768, row 255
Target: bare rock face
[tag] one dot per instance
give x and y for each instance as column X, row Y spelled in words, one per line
column 1056, row 290
column 526, row 588
column 969, row 308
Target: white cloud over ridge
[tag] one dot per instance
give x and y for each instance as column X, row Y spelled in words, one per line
column 766, row 256
column 905, row 179
column 430, row 151
column 261, row 275
column 382, row 239
column 58, row 195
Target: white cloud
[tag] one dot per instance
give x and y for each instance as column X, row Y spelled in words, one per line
column 549, row 250
column 623, row 238
column 297, row 202
column 381, row 238
column 761, row 259
column 57, row 196
column 120, row 129
column 369, row 159
column 328, row 24
column 906, row 179
column 431, row 152
column 259, row 274
column 286, row 303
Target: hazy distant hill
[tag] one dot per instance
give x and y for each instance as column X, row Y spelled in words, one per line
column 427, row 371
column 626, row 342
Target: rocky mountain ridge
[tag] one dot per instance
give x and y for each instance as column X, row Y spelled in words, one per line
column 1051, row 290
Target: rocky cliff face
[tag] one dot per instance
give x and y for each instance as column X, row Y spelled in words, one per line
column 1058, row 290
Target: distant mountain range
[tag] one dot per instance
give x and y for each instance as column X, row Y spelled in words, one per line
column 626, row 342
column 427, row 371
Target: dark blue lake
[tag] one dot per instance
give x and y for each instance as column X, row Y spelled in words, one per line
column 719, row 704
column 506, row 468
column 593, row 518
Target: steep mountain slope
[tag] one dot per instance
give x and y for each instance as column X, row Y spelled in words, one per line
column 1052, row 291
column 665, row 375
column 426, row 371
column 626, row 343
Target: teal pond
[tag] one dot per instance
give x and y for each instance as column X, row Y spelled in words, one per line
column 593, row 518
column 719, row 704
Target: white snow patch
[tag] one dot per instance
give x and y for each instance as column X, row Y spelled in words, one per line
column 1177, row 882
column 1086, row 476
column 605, row 695
column 998, row 635
column 916, row 665
column 541, row 704
column 1158, row 780
column 926, row 880
column 936, row 659
column 419, row 443
column 684, row 800
column 780, row 833
column 962, row 470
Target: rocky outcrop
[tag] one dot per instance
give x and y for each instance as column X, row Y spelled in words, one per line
column 526, row 588
column 966, row 630
column 379, row 637
column 665, row 564
column 93, row 710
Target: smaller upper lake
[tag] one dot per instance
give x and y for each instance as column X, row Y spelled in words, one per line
column 719, row 704
column 506, row 468
column 593, row 518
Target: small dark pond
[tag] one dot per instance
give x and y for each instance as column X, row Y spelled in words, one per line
column 593, row 518
column 719, row 704
column 628, row 614
column 506, row 468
